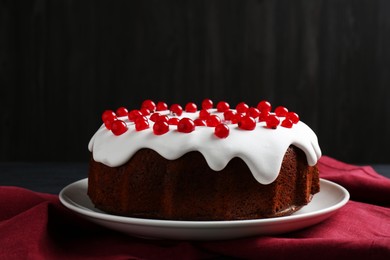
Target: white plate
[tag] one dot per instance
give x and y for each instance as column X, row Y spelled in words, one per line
column 331, row 198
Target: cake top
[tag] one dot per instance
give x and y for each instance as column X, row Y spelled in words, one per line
column 258, row 135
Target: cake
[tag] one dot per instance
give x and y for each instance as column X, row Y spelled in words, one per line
column 203, row 164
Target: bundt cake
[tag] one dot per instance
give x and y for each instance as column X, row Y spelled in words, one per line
column 203, row 164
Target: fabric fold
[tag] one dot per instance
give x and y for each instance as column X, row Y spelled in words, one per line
column 362, row 182
column 36, row 226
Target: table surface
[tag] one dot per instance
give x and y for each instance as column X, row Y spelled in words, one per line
column 52, row 177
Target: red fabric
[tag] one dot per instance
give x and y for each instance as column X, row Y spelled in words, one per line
column 36, row 226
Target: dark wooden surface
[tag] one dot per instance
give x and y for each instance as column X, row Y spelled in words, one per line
column 63, row 62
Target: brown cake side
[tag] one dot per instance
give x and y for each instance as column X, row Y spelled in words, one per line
column 150, row 186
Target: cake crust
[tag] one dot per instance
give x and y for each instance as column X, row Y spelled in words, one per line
column 150, row 186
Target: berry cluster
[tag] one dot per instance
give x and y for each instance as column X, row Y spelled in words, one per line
column 244, row 116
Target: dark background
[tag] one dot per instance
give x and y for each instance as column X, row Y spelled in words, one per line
column 63, row 62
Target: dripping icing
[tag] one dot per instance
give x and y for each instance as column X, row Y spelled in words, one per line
column 263, row 151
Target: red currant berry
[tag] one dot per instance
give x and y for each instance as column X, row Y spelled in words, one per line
column 173, row 121
column 154, row 117
column 118, row 127
column 122, row 111
column 200, row 122
column 191, row 108
column 293, row 117
column 272, row 121
column 108, row 115
column 108, row 123
column 186, row 125
column 161, row 106
column 247, row 123
column 253, row 112
column 264, row 105
column 162, row 118
column 242, row 107
column 108, row 118
column 222, row 106
column 141, row 123
column 228, row 115
column 287, row 123
column 176, row 109
column 221, row 131
column 213, row 121
column 204, row 114
column 281, row 111
column 160, row 128
column 145, row 111
column 207, row 104
column 149, row 104
column 133, row 114
column 236, row 118
column 264, row 115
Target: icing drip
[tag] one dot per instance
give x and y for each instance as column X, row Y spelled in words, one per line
column 262, row 149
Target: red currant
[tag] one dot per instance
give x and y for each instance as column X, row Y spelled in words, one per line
column 207, row 104
column 154, row 117
column 186, row 125
column 236, row 118
column 281, row 111
column 191, row 108
column 204, row 114
column 200, row 122
column 264, row 106
column 161, row 106
column 108, row 123
column 272, row 121
column 118, row 127
column 145, row 111
column 253, row 112
column 141, row 123
column 173, row 121
column 221, row 131
column 149, row 104
column 122, row 111
column 228, row 115
column 287, row 123
column 108, row 118
column 162, row 118
column 133, row 114
column 293, row 117
column 242, row 107
column 108, row 115
column 213, row 120
column 176, row 109
column 160, row 128
column 247, row 123
column 222, row 106
column 264, row 115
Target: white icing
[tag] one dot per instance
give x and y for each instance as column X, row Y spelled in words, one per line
column 262, row 149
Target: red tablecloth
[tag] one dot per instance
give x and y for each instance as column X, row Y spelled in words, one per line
column 36, row 226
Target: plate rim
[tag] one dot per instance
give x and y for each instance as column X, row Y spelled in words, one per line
column 101, row 216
